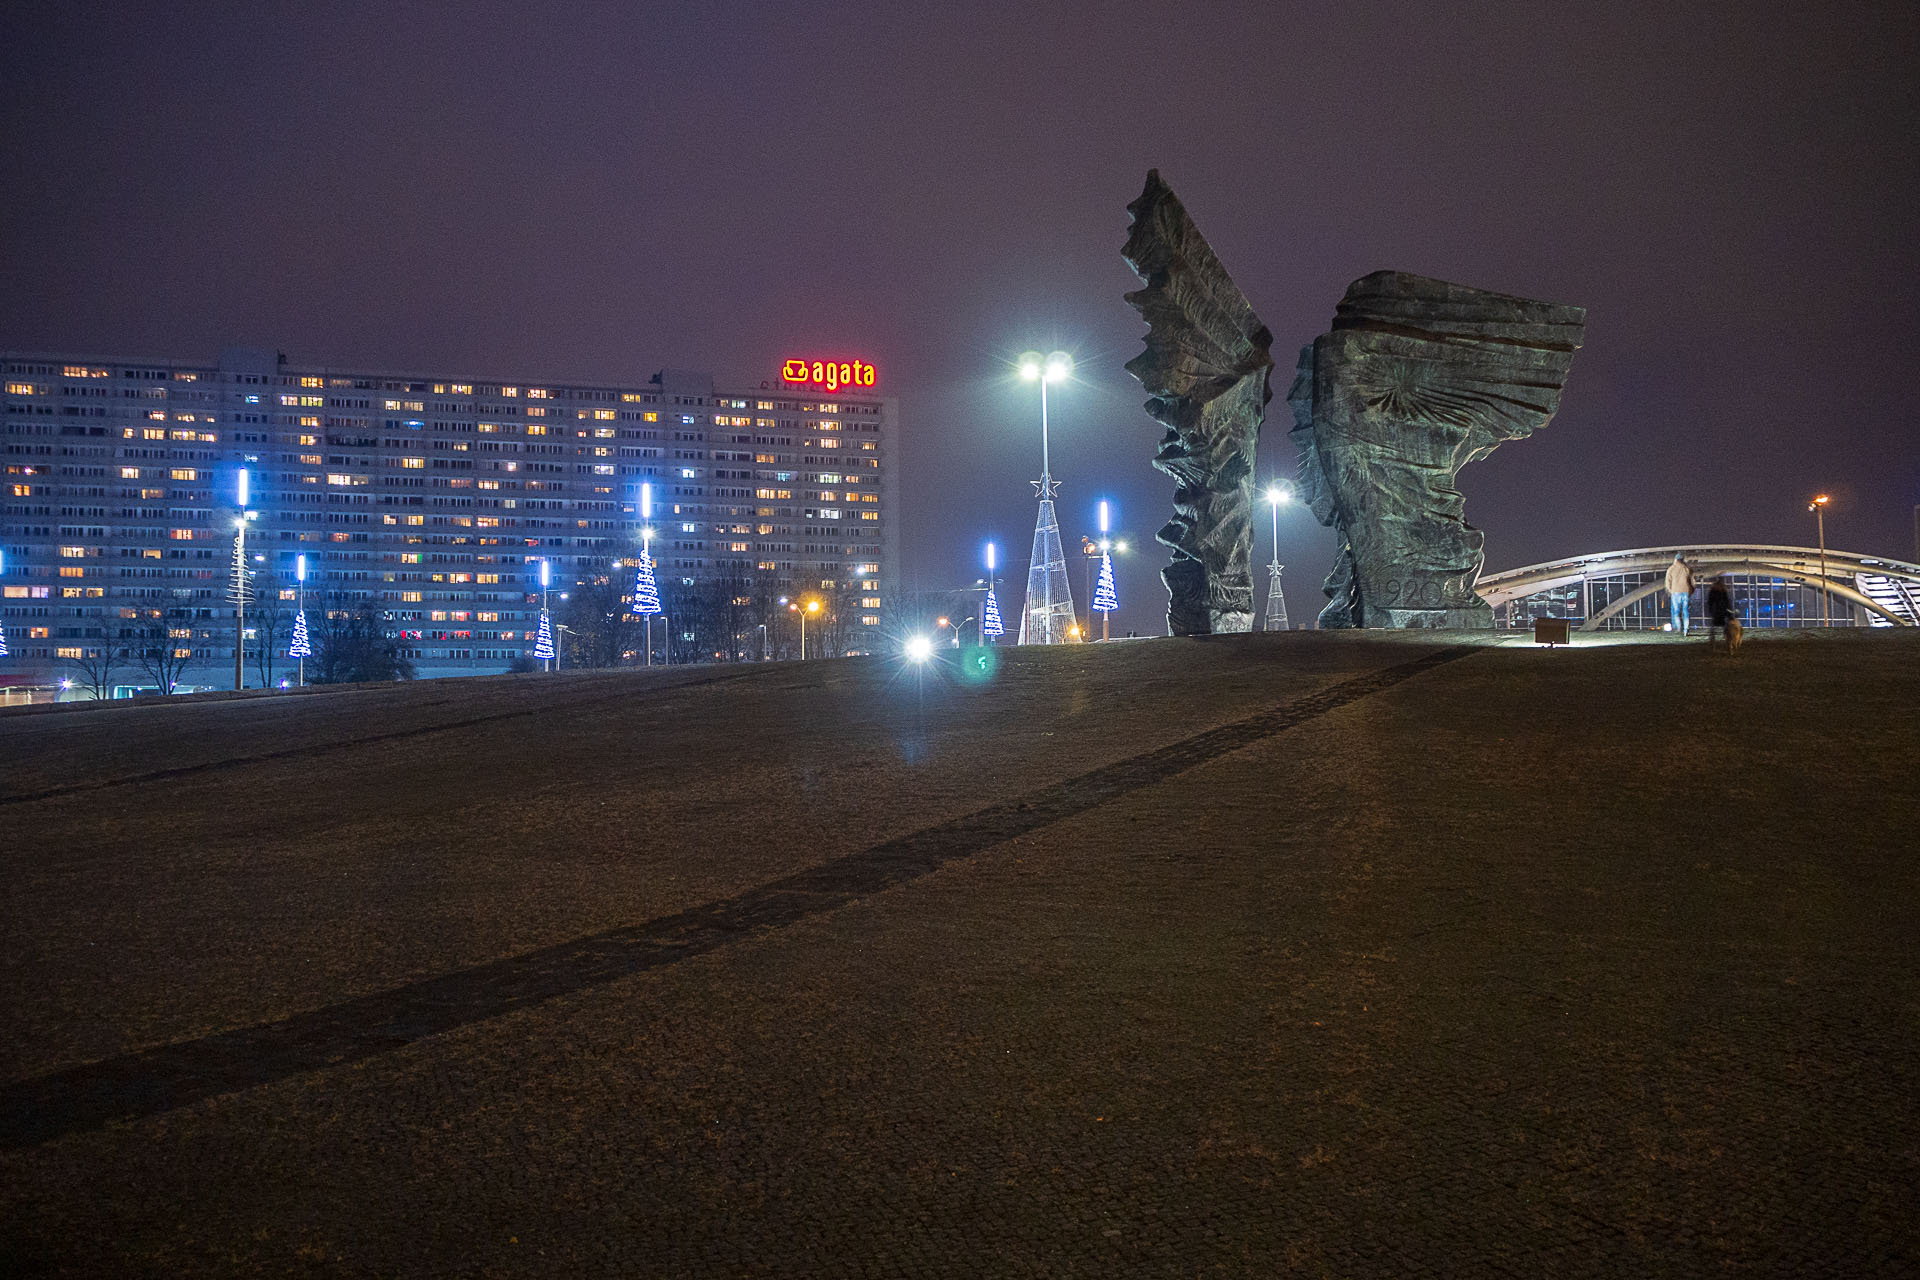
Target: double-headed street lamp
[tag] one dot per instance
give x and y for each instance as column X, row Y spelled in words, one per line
column 793, row 606
column 1819, row 508
column 1048, row 616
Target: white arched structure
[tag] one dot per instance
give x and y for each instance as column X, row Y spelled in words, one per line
column 1887, row 588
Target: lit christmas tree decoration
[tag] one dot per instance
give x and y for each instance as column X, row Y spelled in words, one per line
column 3, row 639
column 990, row 617
column 1103, row 597
column 300, row 648
column 543, row 648
column 646, row 591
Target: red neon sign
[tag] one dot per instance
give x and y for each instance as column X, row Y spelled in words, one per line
column 832, row 375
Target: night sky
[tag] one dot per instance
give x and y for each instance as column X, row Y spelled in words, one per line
column 597, row 191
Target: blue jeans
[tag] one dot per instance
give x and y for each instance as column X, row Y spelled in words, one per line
column 1678, row 611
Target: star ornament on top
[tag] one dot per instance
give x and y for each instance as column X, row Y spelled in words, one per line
column 1045, row 486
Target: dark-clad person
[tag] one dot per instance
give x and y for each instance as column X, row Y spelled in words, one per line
column 1722, row 614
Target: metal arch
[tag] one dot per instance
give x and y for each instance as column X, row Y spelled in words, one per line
column 1593, row 623
column 1812, row 580
column 1786, row 561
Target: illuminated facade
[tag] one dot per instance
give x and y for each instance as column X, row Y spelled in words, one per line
column 435, row 496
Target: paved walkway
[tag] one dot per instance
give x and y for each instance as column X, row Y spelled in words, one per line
column 1341, row 954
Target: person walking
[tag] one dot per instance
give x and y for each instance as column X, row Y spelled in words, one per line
column 1723, row 613
column 1679, row 595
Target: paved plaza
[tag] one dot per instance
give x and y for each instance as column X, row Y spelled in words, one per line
column 1319, row 954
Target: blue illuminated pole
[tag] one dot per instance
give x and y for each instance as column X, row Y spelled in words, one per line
column 543, row 647
column 1104, row 600
column 300, row 648
column 991, row 628
column 646, row 565
column 3, row 621
column 239, row 588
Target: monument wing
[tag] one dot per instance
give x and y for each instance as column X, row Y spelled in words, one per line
column 1205, row 369
column 1417, row 378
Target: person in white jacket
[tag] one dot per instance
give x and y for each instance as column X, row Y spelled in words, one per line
column 1679, row 593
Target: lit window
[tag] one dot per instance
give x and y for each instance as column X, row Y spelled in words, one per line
column 536, row 430
column 185, row 473
column 129, row 473
column 869, row 515
column 19, row 388
column 537, row 393
column 412, row 464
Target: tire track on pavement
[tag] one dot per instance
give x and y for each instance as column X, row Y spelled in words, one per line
column 165, row 1077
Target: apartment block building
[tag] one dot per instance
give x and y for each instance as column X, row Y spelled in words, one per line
column 436, row 496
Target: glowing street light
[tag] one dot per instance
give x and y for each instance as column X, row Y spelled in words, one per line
column 239, row 589
column 1049, row 603
column 1819, row 508
column 919, row 649
column 543, row 646
column 300, row 648
column 1278, row 495
column 990, row 625
column 812, row 606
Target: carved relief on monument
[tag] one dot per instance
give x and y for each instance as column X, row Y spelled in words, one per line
column 1417, row 378
column 1205, row 370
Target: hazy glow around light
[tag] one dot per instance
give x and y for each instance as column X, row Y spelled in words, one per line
column 918, row 648
column 546, row 573
column 1277, row 494
column 989, row 557
column 243, row 486
column 300, row 567
column 646, row 501
column 1059, row 367
column 1103, row 515
column 1031, row 365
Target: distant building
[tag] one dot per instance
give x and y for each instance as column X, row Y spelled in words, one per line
column 436, row 496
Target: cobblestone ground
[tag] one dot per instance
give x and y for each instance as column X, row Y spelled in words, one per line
column 1317, row 954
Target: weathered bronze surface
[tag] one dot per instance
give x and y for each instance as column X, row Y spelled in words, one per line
column 1417, row 378
column 1205, row 370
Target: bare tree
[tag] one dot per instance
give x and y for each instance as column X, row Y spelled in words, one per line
column 163, row 643
column 358, row 640
column 93, row 669
column 595, row 614
column 271, row 620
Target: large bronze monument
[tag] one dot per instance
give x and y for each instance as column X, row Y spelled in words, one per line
column 1417, row 378
column 1206, row 370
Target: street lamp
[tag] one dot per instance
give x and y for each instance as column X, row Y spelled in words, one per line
column 946, row 622
column 1049, row 604
column 813, row 606
column 543, row 648
column 919, row 649
column 300, row 647
column 990, row 626
column 1819, row 508
column 1278, row 495
column 239, row 589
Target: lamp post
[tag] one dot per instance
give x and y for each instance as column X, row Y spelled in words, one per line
column 544, row 651
column 813, row 606
column 990, row 626
column 948, row 622
column 1819, row 508
column 1278, row 495
column 1048, row 617
column 239, row 588
column 300, row 647
column 646, row 588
